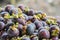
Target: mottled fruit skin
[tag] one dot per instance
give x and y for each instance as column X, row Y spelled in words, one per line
column 13, row 33
column 21, row 21
column 43, row 33
column 31, row 12
column 30, row 28
column 38, row 24
column 20, row 26
column 9, row 7
column 11, row 11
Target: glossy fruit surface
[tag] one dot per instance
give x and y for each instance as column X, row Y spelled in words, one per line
column 31, row 12
column 9, row 7
column 43, row 33
column 30, row 29
column 13, row 32
column 21, row 21
column 38, row 24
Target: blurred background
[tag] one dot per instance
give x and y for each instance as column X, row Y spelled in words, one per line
column 51, row 7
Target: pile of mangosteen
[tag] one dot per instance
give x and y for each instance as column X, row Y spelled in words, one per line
column 23, row 23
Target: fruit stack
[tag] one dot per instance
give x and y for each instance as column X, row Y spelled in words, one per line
column 23, row 23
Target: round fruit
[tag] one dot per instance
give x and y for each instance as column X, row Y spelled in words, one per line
column 13, row 32
column 31, row 12
column 54, row 30
column 21, row 21
column 9, row 7
column 38, row 24
column 21, row 6
column 20, row 26
column 13, row 11
column 30, row 29
column 43, row 34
